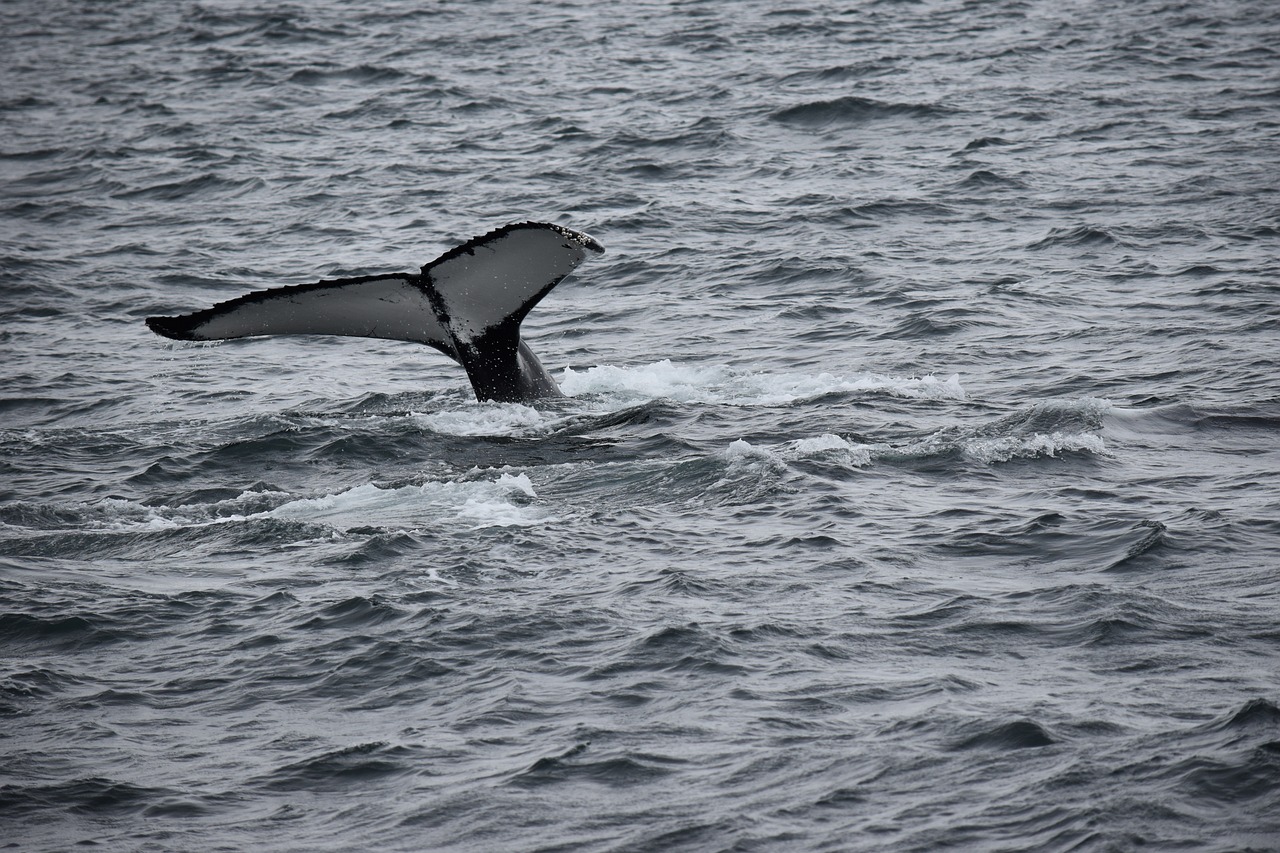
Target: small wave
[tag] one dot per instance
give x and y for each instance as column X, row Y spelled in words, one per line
column 889, row 208
column 1089, row 544
column 364, row 74
column 21, row 685
column 846, row 73
column 25, row 103
column 984, row 178
column 691, row 648
column 718, row 384
column 351, row 767
column 1039, row 430
column 67, row 632
column 27, row 155
column 1233, row 781
column 1256, row 714
column 268, row 28
column 352, row 614
column 850, row 110
column 1019, row 734
column 1248, row 424
column 985, row 142
column 1082, row 235
column 925, row 326
column 93, row 795
column 1149, row 534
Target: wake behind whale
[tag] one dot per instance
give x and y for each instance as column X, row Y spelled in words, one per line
column 468, row 303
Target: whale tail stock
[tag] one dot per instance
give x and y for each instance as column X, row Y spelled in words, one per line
column 468, row 303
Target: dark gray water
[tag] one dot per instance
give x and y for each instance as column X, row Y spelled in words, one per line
column 918, row 487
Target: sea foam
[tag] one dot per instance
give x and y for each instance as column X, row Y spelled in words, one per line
column 719, row 384
column 502, row 502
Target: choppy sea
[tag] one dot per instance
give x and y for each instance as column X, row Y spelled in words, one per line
column 917, row 487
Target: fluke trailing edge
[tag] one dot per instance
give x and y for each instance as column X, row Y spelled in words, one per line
column 468, row 303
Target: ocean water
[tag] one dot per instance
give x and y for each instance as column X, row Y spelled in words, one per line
column 917, row 487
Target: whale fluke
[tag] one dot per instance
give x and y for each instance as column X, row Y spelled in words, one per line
column 468, row 303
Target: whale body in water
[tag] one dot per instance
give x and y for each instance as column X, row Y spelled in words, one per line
column 468, row 303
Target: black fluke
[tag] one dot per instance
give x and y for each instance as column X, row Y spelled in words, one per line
column 468, row 303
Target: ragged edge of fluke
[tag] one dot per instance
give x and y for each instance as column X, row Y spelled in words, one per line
column 586, row 240
column 468, row 303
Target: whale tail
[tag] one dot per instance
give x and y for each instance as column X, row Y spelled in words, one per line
column 468, row 304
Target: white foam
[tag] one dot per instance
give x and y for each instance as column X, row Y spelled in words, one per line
column 487, row 503
column 826, row 441
column 137, row 517
column 478, row 500
column 1004, row 448
column 749, row 470
column 663, row 379
column 509, row 419
column 741, row 449
column 119, row 514
column 790, row 387
column 829, row 445
column 718, row 384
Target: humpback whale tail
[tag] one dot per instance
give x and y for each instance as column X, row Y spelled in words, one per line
column 468, row 303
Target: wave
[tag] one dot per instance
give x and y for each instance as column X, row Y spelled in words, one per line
column 359, row 74
column 852, row 110
column 987, row 179
column 95, row 795
column 1039, row 430
column 206, row 186
column 1083, row 235
column 19, row 630
column 1006, row 737
column 576, row 763
column 350, row 767
column 1255, row 715
column 1239, row 420
column 825, row 447
column 1097, row 544
column 844, row 73
column 985, row 142
column 502, row 502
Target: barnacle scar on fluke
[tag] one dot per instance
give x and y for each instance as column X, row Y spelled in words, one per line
column 468, row 303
